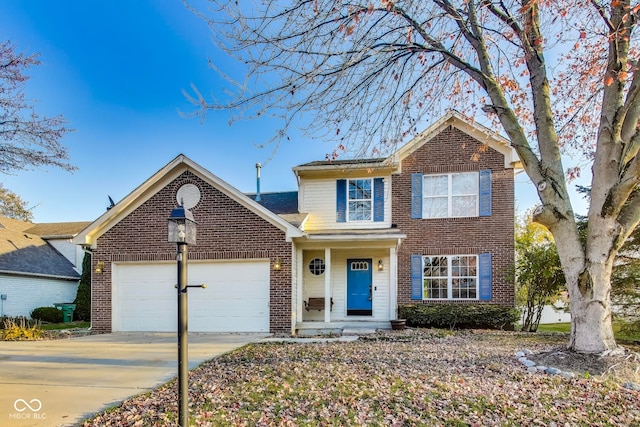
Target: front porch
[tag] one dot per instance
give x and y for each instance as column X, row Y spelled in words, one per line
column 345, row 285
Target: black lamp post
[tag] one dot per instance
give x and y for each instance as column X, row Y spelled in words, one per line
column 182, row 231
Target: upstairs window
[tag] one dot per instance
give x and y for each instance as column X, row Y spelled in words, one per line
column 451, row 195
column 359, row 200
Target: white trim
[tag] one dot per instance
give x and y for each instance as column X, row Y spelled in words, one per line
column 393, row 283
column 348, row 237
column 90, row 235
column 348, row 211
column 327, row 285
column 450, row 194
column 299, row 254
column 450, row 278
column 45, row 276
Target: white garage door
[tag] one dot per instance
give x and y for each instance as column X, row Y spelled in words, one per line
column 236, row 298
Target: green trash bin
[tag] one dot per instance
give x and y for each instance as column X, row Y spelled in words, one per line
column 67, row 311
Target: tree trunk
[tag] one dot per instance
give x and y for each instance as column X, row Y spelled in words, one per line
column 591, row 327
column 587, row 271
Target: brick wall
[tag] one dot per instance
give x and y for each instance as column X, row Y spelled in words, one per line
column 455, row 151
column 226, row 230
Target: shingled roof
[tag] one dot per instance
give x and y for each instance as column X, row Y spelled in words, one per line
column 57, row 230
column 24, row 253
column 344, row 162
column 284, row 202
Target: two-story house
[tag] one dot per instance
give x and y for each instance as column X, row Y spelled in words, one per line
column 434, row 222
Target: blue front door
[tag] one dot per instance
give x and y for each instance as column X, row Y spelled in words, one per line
column 359, row 287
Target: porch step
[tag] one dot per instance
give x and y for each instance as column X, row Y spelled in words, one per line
column 354, row 328
column 359, row 331
column 319, row 332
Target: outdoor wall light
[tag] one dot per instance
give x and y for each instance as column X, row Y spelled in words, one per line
column 100, row 267
column 277, row 264
column 380, row 265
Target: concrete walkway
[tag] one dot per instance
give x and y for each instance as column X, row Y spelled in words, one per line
column 61, row 382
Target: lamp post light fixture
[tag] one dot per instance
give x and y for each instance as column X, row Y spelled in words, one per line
column 182, row 231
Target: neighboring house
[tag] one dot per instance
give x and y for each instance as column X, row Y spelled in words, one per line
column 60, row 235
column 556, row 313
column 432, row 223
column 33, row 273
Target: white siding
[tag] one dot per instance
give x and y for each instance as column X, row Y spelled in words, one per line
column 313, row 286
column 26, row 293
column 551, row 315
column 318, row 199
column 73, row 253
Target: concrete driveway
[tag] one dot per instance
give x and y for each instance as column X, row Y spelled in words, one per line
column 61, row 382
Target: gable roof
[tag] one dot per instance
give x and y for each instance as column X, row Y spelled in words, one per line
column 468, row 126
column 89, row 235
column 57, row 230
column 23, row 253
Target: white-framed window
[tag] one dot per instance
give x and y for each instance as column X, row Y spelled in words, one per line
column 450, row 277
column 359, row 199
column 451, row 195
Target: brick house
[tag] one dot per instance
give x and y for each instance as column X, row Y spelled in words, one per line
column 434, row 222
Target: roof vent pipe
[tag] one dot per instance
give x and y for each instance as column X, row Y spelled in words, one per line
column 258, row 167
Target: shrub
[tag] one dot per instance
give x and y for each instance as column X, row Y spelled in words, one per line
column 83, row 295
column 7, row 320
column 47, row 314
column 631, row 328
column 481, row 316
column 18, row 329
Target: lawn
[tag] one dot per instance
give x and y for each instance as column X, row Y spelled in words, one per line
column 413, row 377
column 68, row 325
column 566, row 328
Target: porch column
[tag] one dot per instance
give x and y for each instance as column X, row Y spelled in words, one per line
column 298, row 297
column 327, row 285
column 393, row 283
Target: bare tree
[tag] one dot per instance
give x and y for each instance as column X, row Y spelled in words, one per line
column 554, row 74
column 26, row 139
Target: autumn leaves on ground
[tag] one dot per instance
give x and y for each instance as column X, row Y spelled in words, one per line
column 413, row 377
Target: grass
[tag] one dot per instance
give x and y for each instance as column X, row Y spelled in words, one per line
column 566, row 328
column 68, row 325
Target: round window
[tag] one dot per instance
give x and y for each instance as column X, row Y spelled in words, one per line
column 316, row 266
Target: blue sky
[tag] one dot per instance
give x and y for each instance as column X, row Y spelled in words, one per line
column 116, row 71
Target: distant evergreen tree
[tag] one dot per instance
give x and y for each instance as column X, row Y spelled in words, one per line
column 83, row 297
